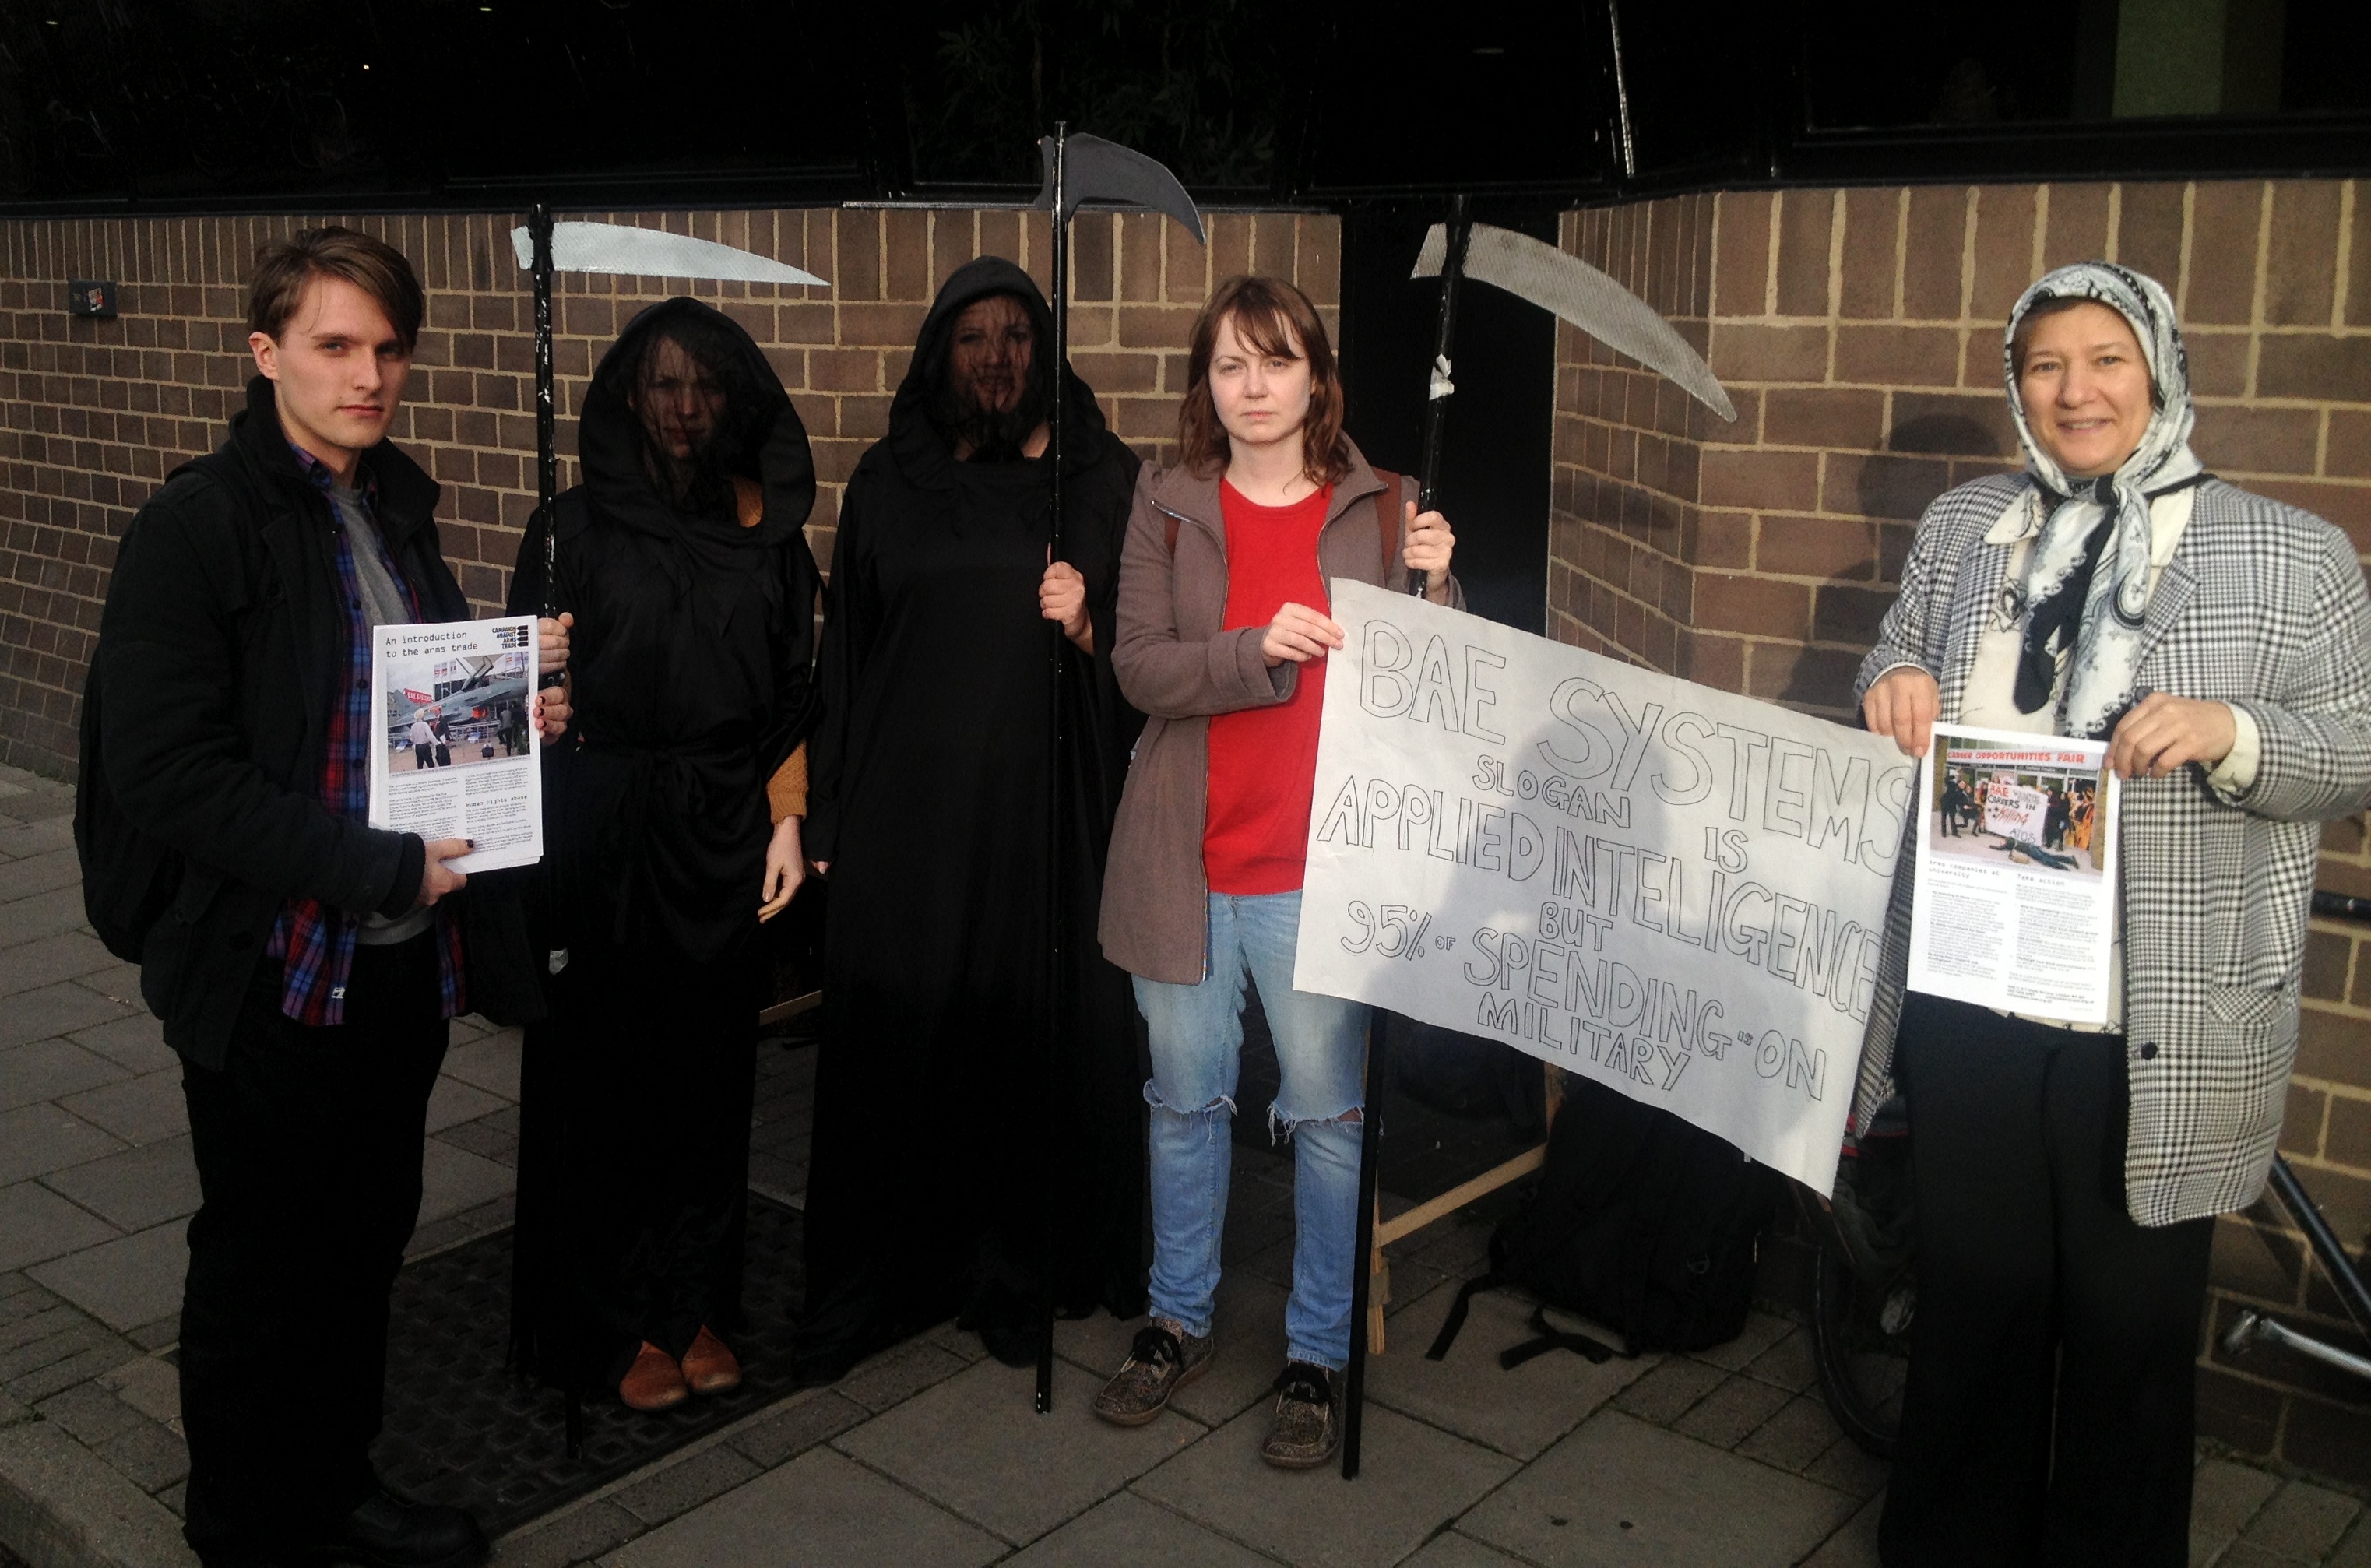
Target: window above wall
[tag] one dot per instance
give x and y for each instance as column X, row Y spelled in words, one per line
column 281, row 105
column 1879, row 65
column 2093, row 86
column 190, row 104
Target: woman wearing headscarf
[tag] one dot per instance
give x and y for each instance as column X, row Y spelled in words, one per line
column 683, row 559
column 958, row 1152
column 2068, row 1175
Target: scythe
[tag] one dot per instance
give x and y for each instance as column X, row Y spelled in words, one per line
column 1080, row 171
column 1572, row 289
column 544, row 247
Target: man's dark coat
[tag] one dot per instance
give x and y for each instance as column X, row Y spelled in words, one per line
column 220, row 655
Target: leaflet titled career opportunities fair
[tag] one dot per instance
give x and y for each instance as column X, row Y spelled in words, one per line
column 2015, row 899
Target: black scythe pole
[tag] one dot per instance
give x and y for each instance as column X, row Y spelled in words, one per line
column 547, row 457
column 1057, row 945
column 1444, row 339
column 1371, row 1130
column 538, row 225
column 1108, row 173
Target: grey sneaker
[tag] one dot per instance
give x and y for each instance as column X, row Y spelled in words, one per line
column 1163, row 1360
column 1308, row 1418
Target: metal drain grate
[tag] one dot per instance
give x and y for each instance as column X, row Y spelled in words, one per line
column 462, row 1430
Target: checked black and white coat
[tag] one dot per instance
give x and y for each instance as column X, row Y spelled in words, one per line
column 2262, row 606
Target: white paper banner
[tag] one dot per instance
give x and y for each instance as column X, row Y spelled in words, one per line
column 1672, row 890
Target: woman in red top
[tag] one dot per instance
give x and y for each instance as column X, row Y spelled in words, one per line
column 1223, row 632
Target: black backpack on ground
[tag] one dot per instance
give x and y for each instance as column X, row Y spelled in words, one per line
column 1640, row 1221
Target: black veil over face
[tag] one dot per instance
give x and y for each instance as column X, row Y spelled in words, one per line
column 994, row 435
column 710, row 393
column 745, row 429
column 922, row 435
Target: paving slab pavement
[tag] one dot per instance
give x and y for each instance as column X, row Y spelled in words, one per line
column 61, row 1504
column 975, row 1446
column 1453, row 1549
column 143, row 1110
column 134, row 1042
column 1414, row 1478
column 48, row 1070
column 37, row 1225
column 126, row 1283
column 134, row 1188
column 1619, row 1489
column 1124, row 1528
column 1520, row 1411
column 39, row 1138
column 822, row 1508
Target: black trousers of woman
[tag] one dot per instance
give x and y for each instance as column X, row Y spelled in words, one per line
column 2048, row 1417
column 634, row 1157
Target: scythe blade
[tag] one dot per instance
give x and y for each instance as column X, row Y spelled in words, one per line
column 653, row 253
column 1109, row 175
column 1572, row 290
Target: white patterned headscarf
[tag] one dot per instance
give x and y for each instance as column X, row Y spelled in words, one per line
column 2088, row 579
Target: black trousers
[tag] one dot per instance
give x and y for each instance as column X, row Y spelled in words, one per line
column 2048, row 1417
column 308, row 1146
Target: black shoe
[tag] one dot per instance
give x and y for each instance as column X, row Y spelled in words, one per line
column 389, row 1531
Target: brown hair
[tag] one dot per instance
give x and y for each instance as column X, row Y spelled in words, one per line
column 1275, row 318
column 2054, row 305
column 284, row 267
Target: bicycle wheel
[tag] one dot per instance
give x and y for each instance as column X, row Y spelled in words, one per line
column 1859, row 1339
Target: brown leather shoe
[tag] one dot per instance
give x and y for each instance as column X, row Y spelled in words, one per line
column 709, row 1366
column 653, row 1381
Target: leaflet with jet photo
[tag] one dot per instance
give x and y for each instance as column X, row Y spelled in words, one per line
column 2015, row 901
column 457, row 750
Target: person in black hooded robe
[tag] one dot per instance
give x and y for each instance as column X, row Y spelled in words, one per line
column 951, row 1156
column 683, row 561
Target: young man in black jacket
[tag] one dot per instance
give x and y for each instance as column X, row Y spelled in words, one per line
column 305, row 964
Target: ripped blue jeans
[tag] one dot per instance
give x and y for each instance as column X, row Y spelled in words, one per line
column 1320, row 1045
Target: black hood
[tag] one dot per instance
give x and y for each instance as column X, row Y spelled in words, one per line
column 920, row 448
column 760, row 439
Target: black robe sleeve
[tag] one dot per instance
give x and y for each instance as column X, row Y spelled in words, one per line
column 852, row 620
column 798, row 696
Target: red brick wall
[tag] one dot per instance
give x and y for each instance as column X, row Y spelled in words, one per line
column 1859, row 333
column 93, row 414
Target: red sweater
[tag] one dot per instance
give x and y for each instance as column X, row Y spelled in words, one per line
column 1264, row 760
